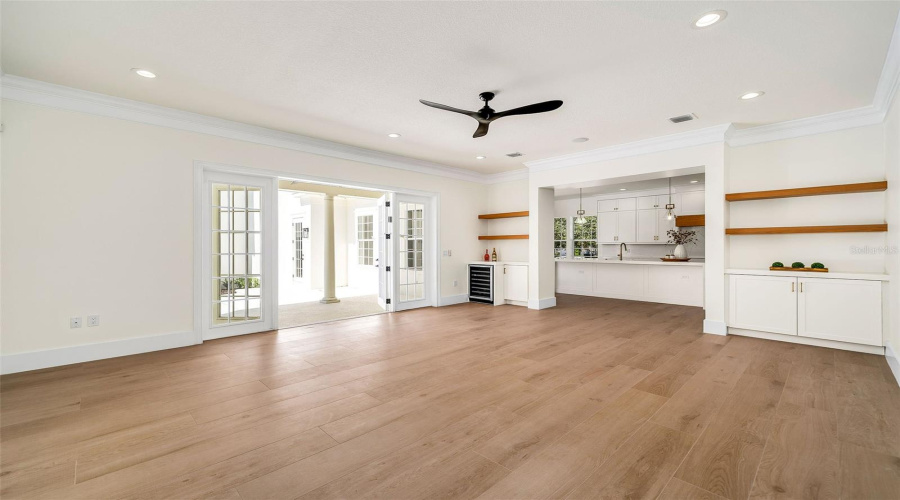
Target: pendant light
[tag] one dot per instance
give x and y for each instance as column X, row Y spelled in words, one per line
column 580, row 213
column 670, row 206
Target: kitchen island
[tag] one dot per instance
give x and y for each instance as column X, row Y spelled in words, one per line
column 648, row 280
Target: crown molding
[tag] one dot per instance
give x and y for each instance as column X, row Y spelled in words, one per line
column 15, row 88
column 890, row 73
column 709, row 135
column 512, row 175
column 841, row 120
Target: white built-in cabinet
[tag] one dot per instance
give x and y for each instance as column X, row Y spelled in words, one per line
column 515, row 282
column 631, row 280
column 643, row 219
column 617, row 227
column 845, row 310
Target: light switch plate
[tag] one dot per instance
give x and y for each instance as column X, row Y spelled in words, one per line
column 75, row 322
column 93, row 321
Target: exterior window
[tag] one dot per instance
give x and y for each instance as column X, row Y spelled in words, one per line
column 584, row 238
column 560, row 238
column 365, row 240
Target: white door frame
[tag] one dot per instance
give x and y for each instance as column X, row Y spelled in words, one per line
column 200, row 167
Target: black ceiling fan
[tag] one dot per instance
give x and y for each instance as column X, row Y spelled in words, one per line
column 486, row 115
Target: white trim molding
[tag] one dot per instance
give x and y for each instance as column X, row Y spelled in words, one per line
column 451, row 300
column 859, row 117
column 16, row 88
column 714, row 327
column 36, row 360
column 796, row 339
column 892, row 361
column 542, row 303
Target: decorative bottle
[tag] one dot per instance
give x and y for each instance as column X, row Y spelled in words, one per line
column 487, row 256
column 494, row 255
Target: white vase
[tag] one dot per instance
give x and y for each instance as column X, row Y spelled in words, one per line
column 680, row 252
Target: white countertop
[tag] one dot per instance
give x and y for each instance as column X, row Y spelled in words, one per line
column 643, row 261
column 808, row 274
column 499, row 263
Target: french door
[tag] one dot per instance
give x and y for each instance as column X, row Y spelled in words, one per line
column 413, row 264
column 237, row 279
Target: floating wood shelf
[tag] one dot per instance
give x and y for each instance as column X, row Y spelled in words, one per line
column 504, row 215
column 690, row 220
column 859, row 228
column 864, row 187
column 504, row 237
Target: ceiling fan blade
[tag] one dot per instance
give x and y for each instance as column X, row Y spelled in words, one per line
column 482, row 129
column 540, row 107
column 473, row 114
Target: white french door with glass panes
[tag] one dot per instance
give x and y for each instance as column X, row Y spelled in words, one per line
column 237, row 280
column 412, row 266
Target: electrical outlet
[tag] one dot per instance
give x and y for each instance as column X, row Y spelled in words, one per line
column 75, row 322
column 455, row 283
column 448, row 253
column 93, row 321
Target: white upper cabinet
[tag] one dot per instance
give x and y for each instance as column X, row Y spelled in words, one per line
column 763, row 303
column 664, row 225
column 647, row 222
column 648, row 202
column 843, row 310
column 692, row 203
column 617, row 205
column 607, row 227
column 627, row 232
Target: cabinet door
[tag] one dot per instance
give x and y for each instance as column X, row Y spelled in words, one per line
column 606, row 227
column 516, row 282
column 627, row 232
column 664, row 225
column 844, row 310
column 574, row 277
column 692, row 203
column 607, row 205
column 646, row 226
column 763, row 303
column 626, row 204
column 647, row 202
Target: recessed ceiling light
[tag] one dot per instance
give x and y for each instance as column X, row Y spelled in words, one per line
column 710, row 18
column 393, row 136
column 144, row 72
column 479, row 157
column 752, row 95
column 693, row 182
column 622, row 189
column 580, row 139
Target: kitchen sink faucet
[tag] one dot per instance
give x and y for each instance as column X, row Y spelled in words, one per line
column 622, row 253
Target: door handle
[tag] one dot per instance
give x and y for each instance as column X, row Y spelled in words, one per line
column 801, row 287
column 792, row 287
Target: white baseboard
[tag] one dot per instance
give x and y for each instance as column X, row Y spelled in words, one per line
column 714, row 327
column 794, row 339
column 452, row 300
column 542, row 303
column 892, row 361
column 36, row 360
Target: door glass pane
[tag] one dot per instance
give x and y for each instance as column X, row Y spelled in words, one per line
column 412, row 251
column 236, row 254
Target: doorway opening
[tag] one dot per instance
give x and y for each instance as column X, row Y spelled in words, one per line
column 329, row 252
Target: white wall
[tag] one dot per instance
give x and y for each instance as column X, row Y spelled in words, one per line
column 892, row 209
column 507, row 197
column 97, row 219
column 843, row 157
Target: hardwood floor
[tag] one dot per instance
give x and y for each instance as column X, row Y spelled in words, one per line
column 595, row 398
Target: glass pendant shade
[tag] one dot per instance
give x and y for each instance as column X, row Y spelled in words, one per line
column 579, row 219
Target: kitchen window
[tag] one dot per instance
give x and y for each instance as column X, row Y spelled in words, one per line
column 560, row 238
column 584, row 238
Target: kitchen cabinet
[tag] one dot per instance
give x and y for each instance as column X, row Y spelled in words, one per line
column 763, row 303
column 649, row 202
column 652, row 226
column 515, row 279
column 651, row 281
column 616, row 205
column 842, row 310
column 616, row 227
column 691, row 203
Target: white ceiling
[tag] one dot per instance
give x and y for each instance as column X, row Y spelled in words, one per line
column 353, row 72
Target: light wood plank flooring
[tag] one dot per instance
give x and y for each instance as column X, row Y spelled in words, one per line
column 595, row 398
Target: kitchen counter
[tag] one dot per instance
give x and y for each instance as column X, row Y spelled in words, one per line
column 498, row 263
column 809, row 274
column 644, row 262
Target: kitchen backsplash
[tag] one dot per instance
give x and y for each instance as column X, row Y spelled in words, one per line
column 639, row 251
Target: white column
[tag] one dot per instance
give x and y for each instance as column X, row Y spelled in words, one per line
column 328, row 295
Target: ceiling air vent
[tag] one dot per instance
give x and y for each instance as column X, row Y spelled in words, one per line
column 682, row 118
column 514, row 155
